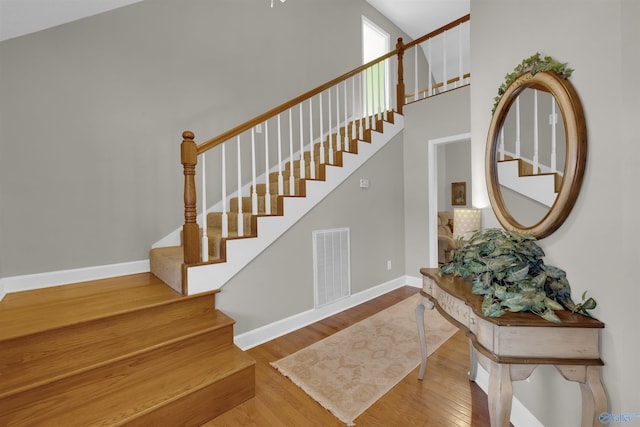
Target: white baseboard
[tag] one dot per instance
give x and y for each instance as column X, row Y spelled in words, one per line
column 56, row 278
column 276, row 329
column 520, row 415
column 414, row 281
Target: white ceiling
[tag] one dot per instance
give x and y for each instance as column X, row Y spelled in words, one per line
column 20, row 17
column 419, row 17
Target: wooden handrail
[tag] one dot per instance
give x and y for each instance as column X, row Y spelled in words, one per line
column 400, row 48
column 213, row 142
column 439, row 31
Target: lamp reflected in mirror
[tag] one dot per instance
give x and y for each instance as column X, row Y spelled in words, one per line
column 466, row 221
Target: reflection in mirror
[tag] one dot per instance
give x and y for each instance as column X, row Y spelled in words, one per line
column 531, row 155
column 559, row 129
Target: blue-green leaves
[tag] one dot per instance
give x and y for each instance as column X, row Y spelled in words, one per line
column 507, row 268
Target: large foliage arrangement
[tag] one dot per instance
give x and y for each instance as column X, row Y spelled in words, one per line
column 508, row 269
column 533, row 64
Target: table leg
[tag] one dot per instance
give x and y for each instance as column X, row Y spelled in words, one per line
column 594, row 397
column 424, row 303
column 500, row 394
column 473, row 362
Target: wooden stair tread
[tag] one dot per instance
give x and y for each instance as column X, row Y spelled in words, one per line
column 121, row 392
column 65, row 305
column 44, row 358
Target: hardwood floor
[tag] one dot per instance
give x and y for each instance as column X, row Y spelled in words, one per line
column 444, row 398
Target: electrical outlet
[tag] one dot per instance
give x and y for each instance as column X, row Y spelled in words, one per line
column 364, row 183
column 389, row 265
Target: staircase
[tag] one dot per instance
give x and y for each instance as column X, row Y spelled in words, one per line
column 121, row 351
column 229, row 255
column 357, row 108
column 518, row 175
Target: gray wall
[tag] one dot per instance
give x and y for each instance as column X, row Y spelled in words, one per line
column 600, row 39
column 527, row 211
column 279, row 282
column 443, row 115
column 92, row 113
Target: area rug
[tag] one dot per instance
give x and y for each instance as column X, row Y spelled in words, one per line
column 351, row 369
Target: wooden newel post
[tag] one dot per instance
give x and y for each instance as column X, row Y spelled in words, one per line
column 400, row 86
column 190, row 230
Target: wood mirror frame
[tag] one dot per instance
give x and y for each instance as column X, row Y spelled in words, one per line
column 576, row 151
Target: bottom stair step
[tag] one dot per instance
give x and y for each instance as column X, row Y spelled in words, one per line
column 184, row 383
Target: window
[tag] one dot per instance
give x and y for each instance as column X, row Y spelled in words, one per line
column 375, row 43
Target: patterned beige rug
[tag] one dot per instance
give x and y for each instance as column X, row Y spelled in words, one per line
column 351, row 369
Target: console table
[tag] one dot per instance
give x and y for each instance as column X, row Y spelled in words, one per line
column 512, row 346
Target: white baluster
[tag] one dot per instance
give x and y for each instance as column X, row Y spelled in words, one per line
column 280, row 178
column 346, row 120
column 240, row 216
column 444, row 62
column 535, row 131
column 205, row 238
column 375, row 83
column 460, row 70
column 365, row 106
column 353, row 112
column 376, row 90
column 292, row 188
column 254, row 195
column 501, row 149
column 430, row 82
column 382, row 96
column 517, row 127
column 381, row 88
column 416, row 93
column 337, row 118
column 322, row 130
column 330, row 130
column 225, row 216
column 302, row 161
column 387, row 77
column 267, row 191
column 312, row 161
column 554, row 130
column 372, row 99
column 367, row 96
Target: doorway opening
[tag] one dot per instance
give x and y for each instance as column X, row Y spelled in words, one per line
column 433, row 187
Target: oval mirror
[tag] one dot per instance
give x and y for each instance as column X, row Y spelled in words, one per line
column 536, row 153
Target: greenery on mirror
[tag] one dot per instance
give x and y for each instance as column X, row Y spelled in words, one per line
column 508, row 269
column 534, row 64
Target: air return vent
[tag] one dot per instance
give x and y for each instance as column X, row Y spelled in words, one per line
column 331, row 265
